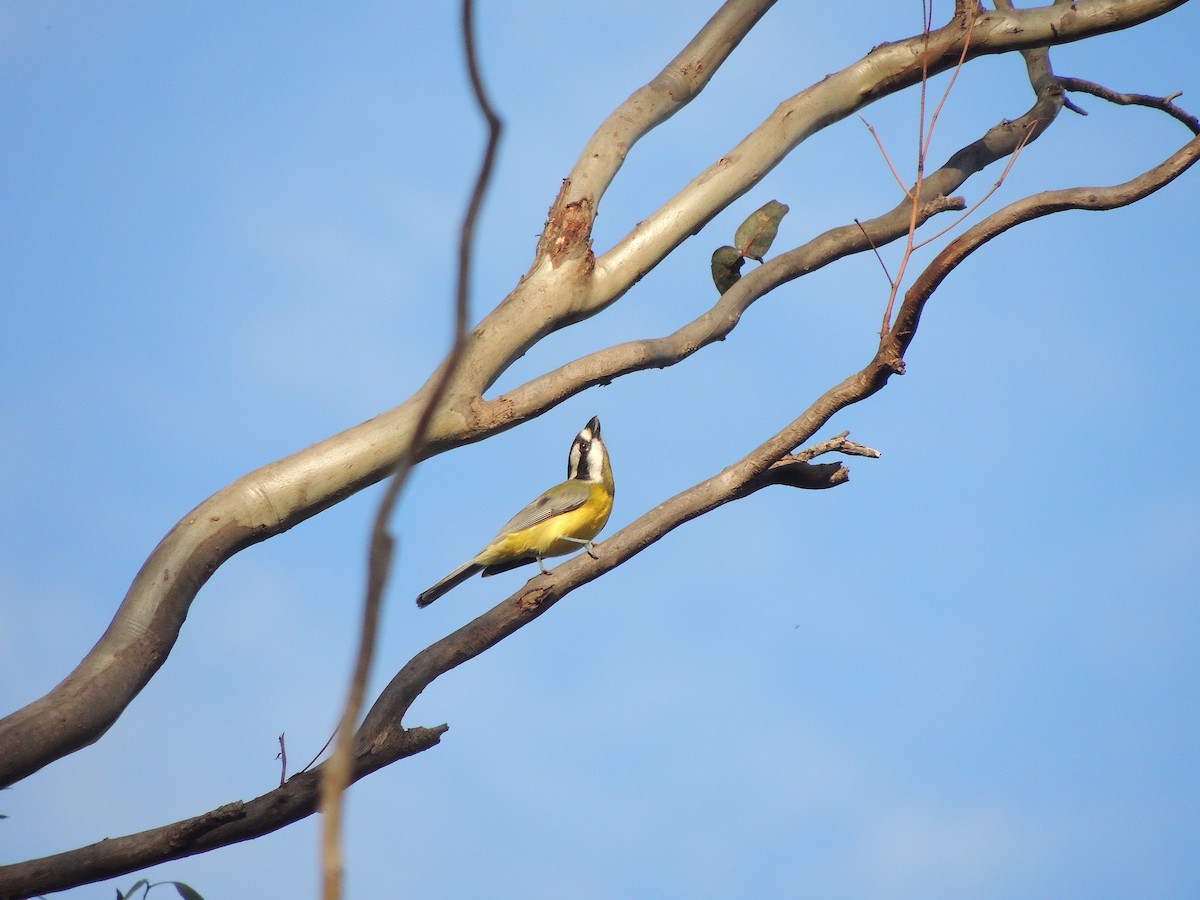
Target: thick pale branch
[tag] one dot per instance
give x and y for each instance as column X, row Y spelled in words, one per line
column 557, row 290
column 680, row 82
column 257, row 506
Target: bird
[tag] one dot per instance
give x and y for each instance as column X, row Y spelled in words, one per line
column 564, row 518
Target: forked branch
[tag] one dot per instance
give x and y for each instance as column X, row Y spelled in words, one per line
column 274, row 498
column 603, row 366
column 267, row 502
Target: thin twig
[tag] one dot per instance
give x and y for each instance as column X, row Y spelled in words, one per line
column 839, row 443
column 282, row 757
column 886, row 158
column 324, row 747
column 949, row 86
column 337, row 773
column 875, row 250
column 914, row 197
column 924, row 141
column 995, row 187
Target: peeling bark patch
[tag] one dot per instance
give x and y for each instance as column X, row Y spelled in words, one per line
column 568, row 233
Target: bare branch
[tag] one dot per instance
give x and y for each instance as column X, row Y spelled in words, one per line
column 1165, row 104
column 272, row 499
column 839, row 443
column 338, row 771
column 796, row 471
column 807, row 476
column 228, row 824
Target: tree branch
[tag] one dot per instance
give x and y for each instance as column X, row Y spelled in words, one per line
column 382, row 723
column 274, row 498
column 1164, row 104
column 568, row 284
column 796, row 471
column 680, row 82
column 229, row 824
column 883, row 71
column 603, row 366
column 1032, row 207
column 382, row 739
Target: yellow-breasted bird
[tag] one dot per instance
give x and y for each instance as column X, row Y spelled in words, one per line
column 563, row 519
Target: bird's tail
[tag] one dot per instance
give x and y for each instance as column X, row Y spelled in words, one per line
column 453, row 580
column 497, row 568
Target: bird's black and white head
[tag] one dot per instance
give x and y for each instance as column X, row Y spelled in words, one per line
column 589, row 457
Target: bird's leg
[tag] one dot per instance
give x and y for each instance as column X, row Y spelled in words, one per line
column 587, row 545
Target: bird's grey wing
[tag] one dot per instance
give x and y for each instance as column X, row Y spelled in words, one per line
column 558, row 500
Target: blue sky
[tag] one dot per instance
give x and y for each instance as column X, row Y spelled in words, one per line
column 228, row 232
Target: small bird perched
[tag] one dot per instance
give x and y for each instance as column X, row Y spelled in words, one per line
column 563, row 519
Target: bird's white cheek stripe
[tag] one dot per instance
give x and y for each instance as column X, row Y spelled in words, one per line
column 595, row 460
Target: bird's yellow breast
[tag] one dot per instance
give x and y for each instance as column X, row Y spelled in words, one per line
column 546, row 538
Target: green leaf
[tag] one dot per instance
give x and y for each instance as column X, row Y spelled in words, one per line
column 186, row 892
column 726, row 267
column 754, row 236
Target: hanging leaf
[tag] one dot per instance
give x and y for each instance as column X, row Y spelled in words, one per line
column 754, row 236
column 726, row 267
column 187, row 892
